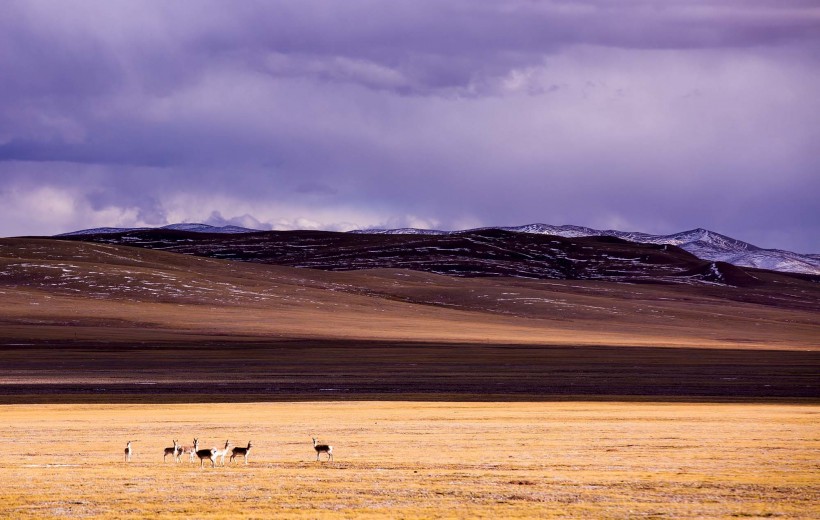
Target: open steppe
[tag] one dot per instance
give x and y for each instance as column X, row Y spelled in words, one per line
column 444, row 397
column 416, row 460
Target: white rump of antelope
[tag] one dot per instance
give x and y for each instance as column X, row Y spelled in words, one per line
column 220, row 454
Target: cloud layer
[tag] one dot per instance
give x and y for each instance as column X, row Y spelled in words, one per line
column 637, row 115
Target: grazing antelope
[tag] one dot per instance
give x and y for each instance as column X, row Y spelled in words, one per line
column 128, row 451
column 190, row 450
column 209, row 454
column 323, row 448
column 241, row 451
column 175, row 451
column 220, row 454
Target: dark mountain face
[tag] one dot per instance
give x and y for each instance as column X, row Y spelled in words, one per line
column 490, row 252
column 704, row 244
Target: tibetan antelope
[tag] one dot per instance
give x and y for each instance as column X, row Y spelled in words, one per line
column 190, row 450
column 209, row 454
column 128, row 451
column 241, row 451
column 323, row 448
column 220, row 454
column 175, row 451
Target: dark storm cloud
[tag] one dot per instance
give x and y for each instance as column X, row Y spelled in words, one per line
column 89, row 48
column 645, row 115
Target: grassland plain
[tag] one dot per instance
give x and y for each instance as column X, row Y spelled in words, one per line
column 416, row 460
column 612, row 400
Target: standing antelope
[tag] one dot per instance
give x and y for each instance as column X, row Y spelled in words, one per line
column 209, row 453
column 128, row 451
column 190, row 450
column 175, row 451
column 241, row 451
column 320, row 448
column 220, row 454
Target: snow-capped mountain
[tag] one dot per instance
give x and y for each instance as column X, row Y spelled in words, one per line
column 714, row 246
column 192, row 227
column 702, row 243
column 707, row 245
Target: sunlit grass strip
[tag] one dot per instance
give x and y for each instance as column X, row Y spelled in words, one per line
column 415, row 460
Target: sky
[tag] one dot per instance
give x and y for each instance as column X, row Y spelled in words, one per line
column 639, row 115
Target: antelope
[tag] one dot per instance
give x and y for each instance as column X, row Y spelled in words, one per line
column 175, row 451
column 209, row 454
column 220, row 454
column 190, row 450
column 128, row 451
column 241, row 451
column 323, row 448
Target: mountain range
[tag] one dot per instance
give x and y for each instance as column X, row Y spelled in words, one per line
column 702, row 243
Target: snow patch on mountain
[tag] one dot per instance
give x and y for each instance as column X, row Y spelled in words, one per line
column 205, row 228
column 702, row 243
column 400, row 231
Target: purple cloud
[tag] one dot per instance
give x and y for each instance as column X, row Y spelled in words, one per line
column 637, row 115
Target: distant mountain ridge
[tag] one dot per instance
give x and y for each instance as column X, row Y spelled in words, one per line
column 192, row 227
column 703, row 243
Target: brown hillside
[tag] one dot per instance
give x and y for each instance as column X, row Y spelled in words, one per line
column 82, row 313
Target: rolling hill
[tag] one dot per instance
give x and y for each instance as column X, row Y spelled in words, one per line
column 99, row 320
column 702, row 243
column 488, row 252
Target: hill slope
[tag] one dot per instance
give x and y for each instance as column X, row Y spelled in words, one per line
column 192, row 295
column 704, row 244
column 489, row 252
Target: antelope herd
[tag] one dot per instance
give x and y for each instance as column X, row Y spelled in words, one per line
column 213, row 454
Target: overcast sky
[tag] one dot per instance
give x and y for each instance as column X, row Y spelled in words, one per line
column 639, row 115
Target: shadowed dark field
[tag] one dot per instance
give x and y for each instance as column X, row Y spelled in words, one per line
column 348, row 370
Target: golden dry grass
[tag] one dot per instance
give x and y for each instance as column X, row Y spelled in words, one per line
column 416, row 460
